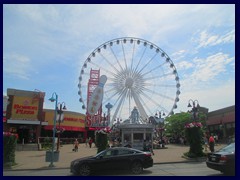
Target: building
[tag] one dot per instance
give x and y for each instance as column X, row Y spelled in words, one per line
column 23, row 114
column 222, row 122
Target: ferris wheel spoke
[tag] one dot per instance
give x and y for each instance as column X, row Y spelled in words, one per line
column 116, row 58
column 112, row 96
column 157, row 77
column 132, row 56
column 144, row 104
column 160, row 85
column 146, row 65
column 140, row 59
column 153, row 100
column 118, row 106
column 124, row 55
column 151, row 70
column 139, row 105
column 159, row 94
column 112, row 66
column 102, row 68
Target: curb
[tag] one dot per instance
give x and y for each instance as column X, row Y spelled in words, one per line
column 56, row 168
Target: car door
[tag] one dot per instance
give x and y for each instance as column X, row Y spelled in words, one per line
column 123, row 159
column 103, row 161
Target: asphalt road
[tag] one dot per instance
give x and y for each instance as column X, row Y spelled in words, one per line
column 171, row 169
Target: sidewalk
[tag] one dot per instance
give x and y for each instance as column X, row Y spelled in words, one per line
column 36, row 159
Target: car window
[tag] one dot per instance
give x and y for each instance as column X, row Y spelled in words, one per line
column 123, row 152
column 230, row 148
column 110, row 153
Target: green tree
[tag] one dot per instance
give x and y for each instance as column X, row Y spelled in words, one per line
column 175, row 123
column 194, row 135
column 101, row 141
column 9, row 147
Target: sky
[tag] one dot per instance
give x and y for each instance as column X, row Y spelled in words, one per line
column 45, row 46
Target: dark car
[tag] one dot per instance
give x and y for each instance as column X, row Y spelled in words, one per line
column 223, row 160
column 117, row 158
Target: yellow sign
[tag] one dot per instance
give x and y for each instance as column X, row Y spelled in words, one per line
column 24, row 108
column 70, row 119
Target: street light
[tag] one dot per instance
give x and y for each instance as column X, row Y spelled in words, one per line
column 158, row 116
column 195, row 105
column 52, row 99
column 60, row 118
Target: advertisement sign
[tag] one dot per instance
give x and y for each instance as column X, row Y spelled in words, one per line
column 24, row 108
column 69, row 120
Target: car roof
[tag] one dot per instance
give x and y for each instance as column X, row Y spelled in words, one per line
column 119, row 148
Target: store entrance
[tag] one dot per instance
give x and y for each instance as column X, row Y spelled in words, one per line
column 26, row 134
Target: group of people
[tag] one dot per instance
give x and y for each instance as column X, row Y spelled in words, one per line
column 88, row 141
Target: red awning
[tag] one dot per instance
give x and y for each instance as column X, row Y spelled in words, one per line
column 67, row 128
column 4, row 119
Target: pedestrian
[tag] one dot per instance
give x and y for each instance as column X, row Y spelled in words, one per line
column 205, row 143
column 75, row 144
column 144, row 145
column 86, row 142
column 149, row 147
column 211, row 143
column 90, row 142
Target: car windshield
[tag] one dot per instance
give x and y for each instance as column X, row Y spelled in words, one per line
column 102, row 152
column 230, row 148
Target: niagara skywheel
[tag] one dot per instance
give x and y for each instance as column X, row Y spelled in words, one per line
column 140, row 75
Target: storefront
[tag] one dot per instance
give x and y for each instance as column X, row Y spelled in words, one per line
column 222, row 122
column 73, row 125
column 24, row 114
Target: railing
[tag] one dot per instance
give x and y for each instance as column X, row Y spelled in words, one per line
column 42, row 140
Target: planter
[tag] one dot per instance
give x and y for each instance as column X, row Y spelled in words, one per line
column 49, row 156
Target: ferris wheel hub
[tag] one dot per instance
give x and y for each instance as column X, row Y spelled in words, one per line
column 129, row 82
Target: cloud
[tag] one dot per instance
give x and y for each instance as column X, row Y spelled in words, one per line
column 212, row 97
column 207, row 71
column 18, row 66
column 206, row 39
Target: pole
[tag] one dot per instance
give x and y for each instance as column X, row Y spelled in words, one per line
column 58, row 141
column 54, row 129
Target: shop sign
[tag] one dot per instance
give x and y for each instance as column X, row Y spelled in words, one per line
column 24, row 108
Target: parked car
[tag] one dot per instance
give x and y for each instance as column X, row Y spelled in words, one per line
column 223, row 160
column 118, row 158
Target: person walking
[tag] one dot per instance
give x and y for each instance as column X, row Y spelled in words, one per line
column 211, row 143
column 76, row 144
column 86, row 142
column 90, row 142
column 205, row 143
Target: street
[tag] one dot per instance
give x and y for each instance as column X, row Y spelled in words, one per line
column 171, row 169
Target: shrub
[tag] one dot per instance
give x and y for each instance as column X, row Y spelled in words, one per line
column 9, row 147
column 101, row 141
column 194, row 136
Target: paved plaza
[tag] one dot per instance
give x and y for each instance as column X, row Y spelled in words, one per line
column 36, row 159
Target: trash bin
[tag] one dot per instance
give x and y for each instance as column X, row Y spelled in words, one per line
column 49, row 156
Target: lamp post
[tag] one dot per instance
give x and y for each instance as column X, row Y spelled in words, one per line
column 159, row 115
column 108, row 106
column 195, row 105
column 52, row 99
column 60, row 117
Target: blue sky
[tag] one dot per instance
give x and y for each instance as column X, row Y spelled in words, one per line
column 45, row 46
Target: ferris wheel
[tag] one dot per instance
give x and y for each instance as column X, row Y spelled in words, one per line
column 140, row 75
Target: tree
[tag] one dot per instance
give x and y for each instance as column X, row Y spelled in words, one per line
column 101, row 141
column 9, row 146
column 175, row 123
